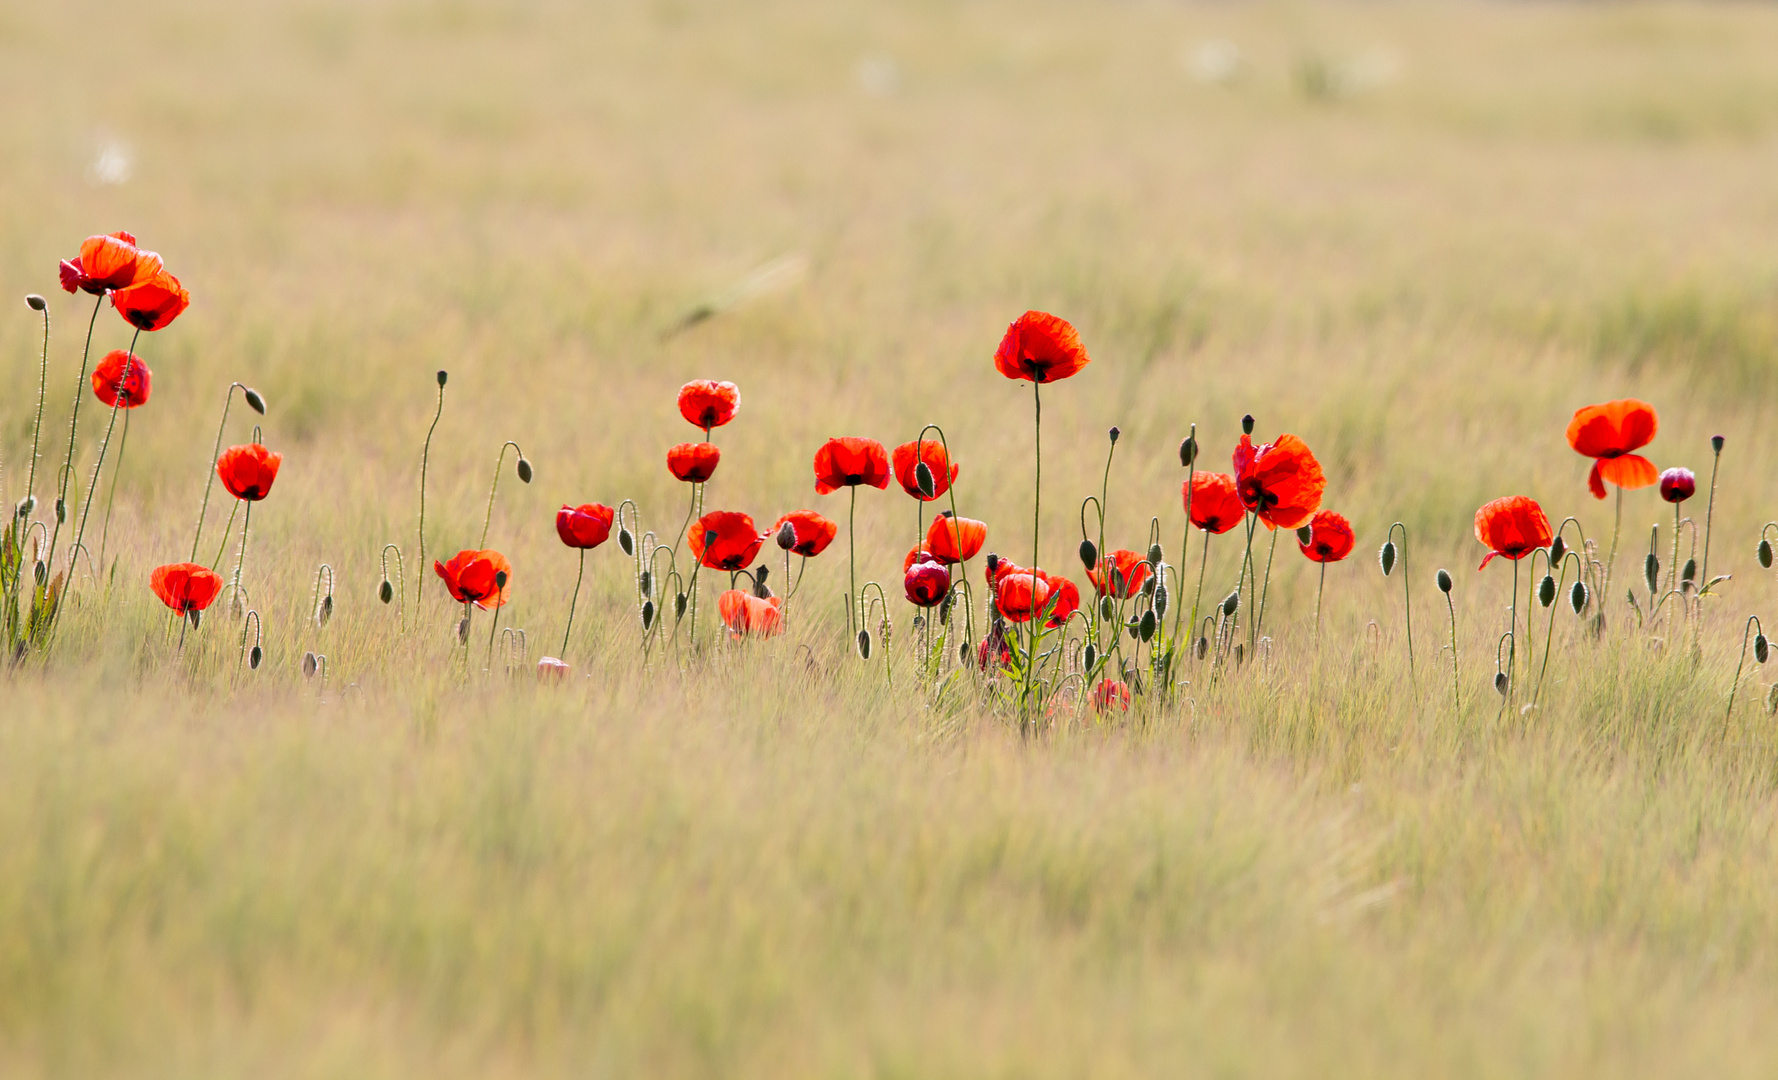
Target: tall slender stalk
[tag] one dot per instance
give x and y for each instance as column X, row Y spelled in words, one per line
column 1752, row 621
column 1617, row 524
column 852, row 570
column 111, row 496
column 1259, row 616
column 1407, row 595
column 524, row 474
column 241, row 557
column 42, row 392
column 425, row 455
column 104, row 445
column 1036, row 524
column 257, row 404
column 1710, row 510
column 572, row 602
column 1191, row 472
column 73, row 426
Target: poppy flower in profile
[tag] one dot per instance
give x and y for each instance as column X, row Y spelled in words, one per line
column 153, row 303
column 1064, row 599
column 725, row 540
column 585, row 526
column 1041, row 348
column 744, row 614
column 1280, row 481
column 1513, row 527
column 473, row 577
column 1119, row 573
column 707, row 403
column 1678, row 484
column 955, row 539
column 1111, row 693
column 248, row 471
column 926, row 582
column 1330, row 537
column 185, row 587
column 1608, row 433
column 693, row 462
column 1215, row 506
column 122, row 380
column 810, row 532
column 1020, row 594
column 850, row 462
column 108, row 262
column 907, row 459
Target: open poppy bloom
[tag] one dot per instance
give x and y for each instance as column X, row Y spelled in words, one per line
column 725, row 540
column 907, row 459
column 849, row 462
column 1041, row 348
column 707, row 403
column 1215, row 506
column 122, row 380
column 744, row 614
column 1514, row 527
column 1111, row 693
column 1678, row 484
column 1330, row 537
column 185, row 587
column 693, row 462
column 153, row 303
column 1608, row 433
column 1020, row 594
column 926, row 582
column 955, row 539
column 473, row 577
column 1120, row 573
column 810, row 532
column 248, row 471
column 108, row 262
column 584, row 526
column 1280, row 481
column 1064, row 599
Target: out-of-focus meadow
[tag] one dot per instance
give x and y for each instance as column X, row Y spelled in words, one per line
column 1419, row 236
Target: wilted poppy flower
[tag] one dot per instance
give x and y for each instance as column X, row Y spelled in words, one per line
column 932, row 452
column 584, row 526
column 1609, row 433
column 811, row 531
column 926, row 582
column 108, row 262
column 1280, row 481
column 1215, row 506
column 185, row 586
column 1019, row 594
column 707, row 403
column 122, row 380
column 552, row 669
column 849, row 462
column 1678, row 484
column 153, row 303
column 248, row 471
column 1111, row 693
column 693, row 462
column 725, row 540
column 1041, row 348
column 1120, row 573
column 1330, row 537
column 472, row 577
column 955, row 539
column 743, row 614
column 1514, row 527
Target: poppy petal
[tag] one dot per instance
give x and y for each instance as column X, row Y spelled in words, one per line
column 1594, row 483
column 1630, row 471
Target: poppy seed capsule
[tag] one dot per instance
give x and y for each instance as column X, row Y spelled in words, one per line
column 1089, row 554
column 1765, row 554
column 1689, row 573
column 1716, row 444
column 385, row 591
column 1386, row 557
column 254, row 656
column 1247, row 424
column 1546, row 591
column 1114, row 433
column 1577, row 597
column 1231, row 604
column 524, row 470
column 1760, row 649
column 626, row 541
column 923, row 480
column 442, row 376
column 1500, row 683
column 864, row 644
column 1188, row 452
column 36, row 303
column 1444, row 582
column 254, row 401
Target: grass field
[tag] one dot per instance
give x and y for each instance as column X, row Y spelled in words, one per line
column 1418, row 235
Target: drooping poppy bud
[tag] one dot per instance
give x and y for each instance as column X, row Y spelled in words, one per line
column 1090, row 657
column 26, row 505
column 647, row 583
column 1149, row 622
column 1188, row 452
column 1107, row 608
column 1231, row 604
column 1558, row 548
column 309, row 665
column 679, row 606
column 326, row 609
column 1546, row 591
column 385, row 591
column 1577, row 597
column 254, row 401
column 1760, row 649
column 647, row 614
column 1203, row 647
column 626, row 541
column 1500, row 683
column 1089, row 554
column 524, row 469
column 1303, row 535
column 923, row 479
column 254, row 656
column 864, row 644
column 36, row 303
column 1160, row 602
column 1651, row 571
column 1155, row 555
column 1444, row 581
column 1765, row 553
column 1689, row 573
column 1386, row 557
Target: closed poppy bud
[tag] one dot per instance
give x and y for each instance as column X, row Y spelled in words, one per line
column 864, row 644
column 1546, row 591
column 1577, row 597
column 36, row 303
column 1231, row 604
column 1160, row 602
column 1772, row 700
column 1444, row 581
column 442, row 376
column 1558, row 548
column 309, row 665
column 944, row 610
column 679, row 606
column 1760, row 649
column 61, row 512
column 1765, row 554
column 1304, row 534
column 1091, row 656
column 1107, row 609
column 993, row 564
column 326, row 608
column 26, row 505
column 1089, row 554
column 1155, row 554
column 923, row 479
column 254, row 401
column 1203, row 647
column 254, row 656
column 1114, row 433
column 647, row 614
column 1149, row 622
column 1134, row 626
column 524, row 470
column 385, row 591
column 1689, row 573
column 1386, row 557
column 647, row 583
column 40, row 572
column 626, row 541
column 1500, row 683
column 786, row 536
column 1716, row 444
column 1247, row 424
column 1188, row 452
column 1651, row 571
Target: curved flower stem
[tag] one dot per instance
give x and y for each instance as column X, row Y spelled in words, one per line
column 498, row 461
column 400, row 583
column 1259, row 616
column 252, row 620
column 241, row 559
column 1320, row 590
column 1617, row 525
column 1710, row 512
column 425, row 457
column 571, row 605
column 111, row 496
column 73, row 426
column 1191, row 472
column 37, row 427
column 1456, row 679
column 228, row 399
column 493, row 628
column 1550, row 633
column 227, row 527
column 1203, row 564
column 1407, row 596
column 93, row 488
column 1752, row 621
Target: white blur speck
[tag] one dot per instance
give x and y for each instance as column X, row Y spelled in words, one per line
column 1218, row 60
column 112, row 164
column 879, row 76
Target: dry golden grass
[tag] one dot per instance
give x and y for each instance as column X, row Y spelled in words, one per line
column 1417, row 235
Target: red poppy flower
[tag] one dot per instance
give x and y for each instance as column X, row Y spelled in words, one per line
column 932, row 452
column 1019, row 594
column 743, row 614
column 185, row 586
column 693, row 462
column 990, row 644
column 1514, row 527
column 1120, row 573
column 1280, row 481
column 122, row 380
column 552, row 669
column 472, row 577
column 1111, row 693
column 108, row 262
column 1215, row 506
column 1608, row 433
column 849, row 462
column 725, row 540
column 248, row 471
column 926, row 582
column 955, row 539
column 810, row 531
column 1064, row 599
column 152, row 304
column 1330, row 537
column 1041, row 348
column 707, row 403
column 584, row 526
column 1678, row 484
